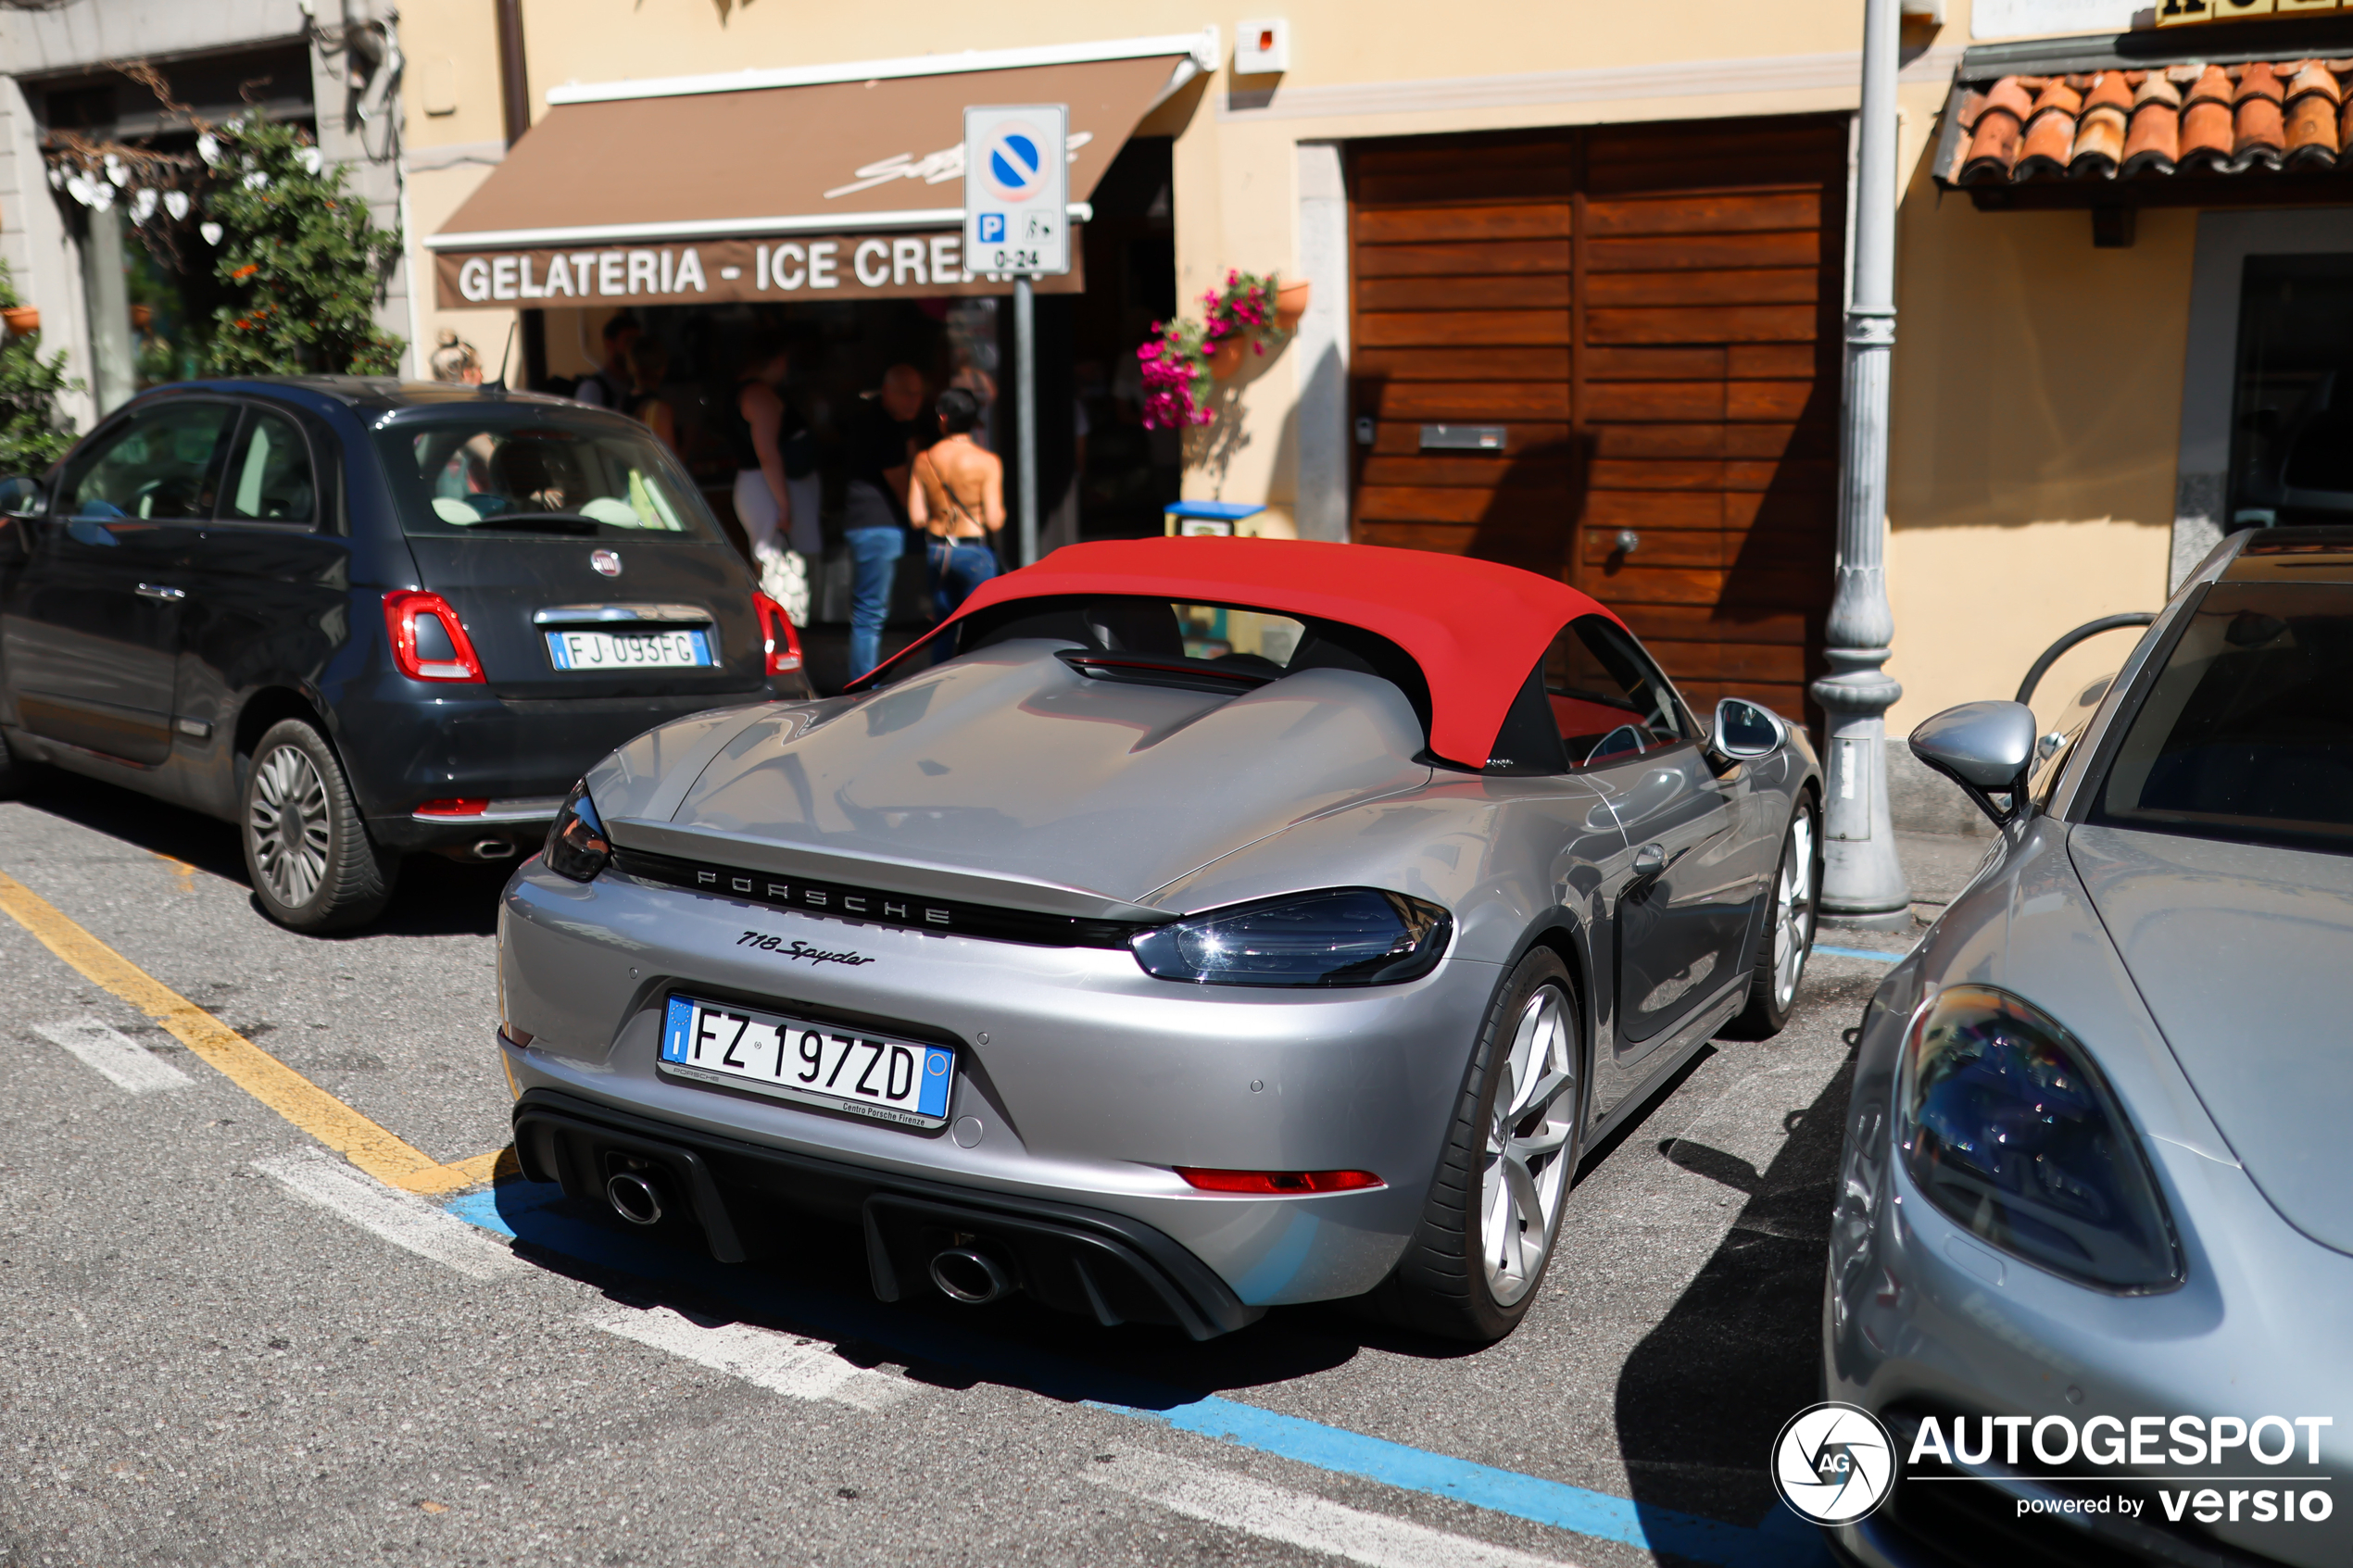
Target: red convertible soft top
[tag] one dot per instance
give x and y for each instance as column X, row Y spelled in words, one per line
column 1475, row 627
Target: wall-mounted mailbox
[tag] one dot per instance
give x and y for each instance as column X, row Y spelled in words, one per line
column 1462, row 438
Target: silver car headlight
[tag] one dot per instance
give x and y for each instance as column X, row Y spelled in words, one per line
column 576, row 843
column 1343, row 937
column 2004, row 1124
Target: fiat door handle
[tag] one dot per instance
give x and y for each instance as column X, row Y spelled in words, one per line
column 161, row 591
column 1649, row 860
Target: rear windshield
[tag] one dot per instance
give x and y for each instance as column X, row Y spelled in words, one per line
column 1229, row 643
column 499, row 472
column 2247, row 732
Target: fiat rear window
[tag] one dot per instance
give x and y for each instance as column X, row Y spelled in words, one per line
column 492, row 473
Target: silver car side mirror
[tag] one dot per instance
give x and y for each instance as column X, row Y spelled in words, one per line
column 1986, row 749
column 1745, row 729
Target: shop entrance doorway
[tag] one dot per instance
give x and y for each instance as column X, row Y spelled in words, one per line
column 1611, row 355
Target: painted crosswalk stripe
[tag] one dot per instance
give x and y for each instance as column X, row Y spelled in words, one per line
column 1277, row 1513
column 106, row 1050
column 782, row 1363
column 399, row 1217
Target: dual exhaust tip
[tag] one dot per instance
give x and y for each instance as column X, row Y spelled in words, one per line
column 962, row 1274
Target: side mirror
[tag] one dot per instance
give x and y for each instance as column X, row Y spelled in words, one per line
column 1986, row 749
column 1744, row 728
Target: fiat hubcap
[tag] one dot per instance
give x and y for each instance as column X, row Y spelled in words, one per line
column 290, row 836
column 1793, row 909
column 1527, row 1144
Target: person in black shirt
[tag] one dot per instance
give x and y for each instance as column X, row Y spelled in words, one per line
column 611, row 385
column 882, row 440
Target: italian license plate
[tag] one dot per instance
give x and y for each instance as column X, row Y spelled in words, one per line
column 630, row 650
column 900, row 1081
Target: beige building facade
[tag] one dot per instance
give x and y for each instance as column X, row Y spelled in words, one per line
column 1662, row 382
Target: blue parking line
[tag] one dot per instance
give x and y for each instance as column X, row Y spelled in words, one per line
column 533, row 1214
column 1859, row 953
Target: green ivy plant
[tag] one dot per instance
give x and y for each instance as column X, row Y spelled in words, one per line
column 299, row 255
column 32, row 434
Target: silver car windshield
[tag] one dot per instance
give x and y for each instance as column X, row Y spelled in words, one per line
column 487, row 474
column 2247, row 733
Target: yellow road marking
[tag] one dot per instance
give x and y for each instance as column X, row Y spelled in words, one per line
column 181, row 869
column 291, row 1096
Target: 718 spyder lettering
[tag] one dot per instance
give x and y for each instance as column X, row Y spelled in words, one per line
column 815, row 956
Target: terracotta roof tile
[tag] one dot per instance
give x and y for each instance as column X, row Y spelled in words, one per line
column 2259, row 127
column 1993, row 147
column 2050, row 133
column 2099, row 132
column 2192, row 119
column 2206, row 133
column 2154, row 141
column 2313, row 99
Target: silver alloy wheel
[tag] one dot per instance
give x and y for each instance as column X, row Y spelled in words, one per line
column 292, row 835
column 1527, row 1142
column 1794, row 908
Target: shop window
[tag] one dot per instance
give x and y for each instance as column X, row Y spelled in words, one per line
column 2292, row 412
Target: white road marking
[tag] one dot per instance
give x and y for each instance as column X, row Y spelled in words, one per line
column 106, row 1049
column 783, row 1363
column 399, row 1217
column 1275, row 1513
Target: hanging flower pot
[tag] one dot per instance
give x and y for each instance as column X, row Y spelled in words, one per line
column 23, row 320
column 1225, row 359
column 1291, row 304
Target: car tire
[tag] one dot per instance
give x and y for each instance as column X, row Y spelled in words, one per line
column 312, row 864
column 1792, row 905
column 1458, row 1278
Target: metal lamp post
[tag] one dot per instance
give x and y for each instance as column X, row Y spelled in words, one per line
column 1862, row 883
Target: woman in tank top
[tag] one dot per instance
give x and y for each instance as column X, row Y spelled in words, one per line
column 956, row 496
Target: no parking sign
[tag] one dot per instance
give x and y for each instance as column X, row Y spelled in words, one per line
column 1017, row 189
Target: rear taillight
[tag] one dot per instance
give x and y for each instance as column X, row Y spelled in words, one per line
column 779, row 643
column 1277, row 1182
column 428, row 643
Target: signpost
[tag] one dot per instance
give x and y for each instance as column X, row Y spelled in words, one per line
column 1017, row 221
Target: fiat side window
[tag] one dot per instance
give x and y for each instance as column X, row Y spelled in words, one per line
column 270, row 473
column 163, row 463
column 1608, row 698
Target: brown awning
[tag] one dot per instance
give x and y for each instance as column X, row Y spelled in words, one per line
column 834, row 182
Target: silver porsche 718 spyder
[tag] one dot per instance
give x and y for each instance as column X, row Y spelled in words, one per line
column 1185, row 927
column 2094, row 1244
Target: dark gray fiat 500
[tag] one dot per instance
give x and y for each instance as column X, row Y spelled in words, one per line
column 362, row 619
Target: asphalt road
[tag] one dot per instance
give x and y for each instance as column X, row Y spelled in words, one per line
column 219, row 1344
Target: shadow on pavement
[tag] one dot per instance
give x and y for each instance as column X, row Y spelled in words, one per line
column 1706, row 1391
column 437, row 896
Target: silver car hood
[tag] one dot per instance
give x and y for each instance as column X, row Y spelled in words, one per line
column 2245, row 956
column 1006, row 776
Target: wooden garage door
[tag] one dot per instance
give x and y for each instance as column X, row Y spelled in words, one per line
column 1651, row 314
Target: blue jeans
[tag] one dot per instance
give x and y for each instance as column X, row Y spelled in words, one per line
column 874, row 554
column 958, row 566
